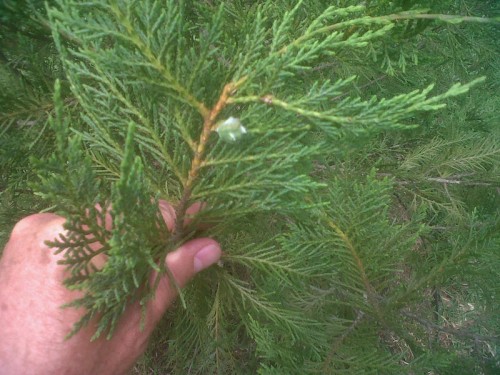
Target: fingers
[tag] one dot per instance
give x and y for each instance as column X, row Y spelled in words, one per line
column 191, row 258
column 27, row 241
column 166, row 210
column 31, row 223
column 169, row 215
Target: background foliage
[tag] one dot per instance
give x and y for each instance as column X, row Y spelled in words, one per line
column 355, row 241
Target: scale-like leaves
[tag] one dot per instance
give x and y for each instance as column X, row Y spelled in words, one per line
column 154, row 80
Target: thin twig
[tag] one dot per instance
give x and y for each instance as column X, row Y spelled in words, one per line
column 453, row 180
column 357, row 23
column 155, row 61
column 208, row 126
column 335, row 346
column 457, row 182
column 372, row 82
column 430, row 326
column 436, row 304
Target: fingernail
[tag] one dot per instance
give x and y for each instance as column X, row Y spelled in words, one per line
column 207, row 256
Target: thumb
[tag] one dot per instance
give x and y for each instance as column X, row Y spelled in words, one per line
column 189, row 259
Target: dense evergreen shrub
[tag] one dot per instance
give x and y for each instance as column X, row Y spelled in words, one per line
column 348, row 154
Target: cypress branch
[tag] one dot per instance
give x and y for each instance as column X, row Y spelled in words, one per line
column 280, row 119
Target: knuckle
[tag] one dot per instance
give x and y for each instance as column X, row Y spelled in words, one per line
column 37, row 223
column 26, row 225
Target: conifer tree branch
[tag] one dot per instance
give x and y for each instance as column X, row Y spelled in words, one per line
column 441, row 17
column 143, row 119
column 215, row 318
column 41, row 108
column 325, row 288
column 335, row 346
column 156, row 62
column 370, row 291
column 369, row 20
column 270, row 100
column 431, row 276
column 197, row 162
column 371, row 295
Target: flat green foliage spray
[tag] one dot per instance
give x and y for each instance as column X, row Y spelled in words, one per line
column 344, row 224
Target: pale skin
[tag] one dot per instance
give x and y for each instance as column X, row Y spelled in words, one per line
column 33, row 326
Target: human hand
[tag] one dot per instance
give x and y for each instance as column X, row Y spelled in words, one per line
column 33, row 325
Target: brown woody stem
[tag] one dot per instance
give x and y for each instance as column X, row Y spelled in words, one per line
column 208, row 126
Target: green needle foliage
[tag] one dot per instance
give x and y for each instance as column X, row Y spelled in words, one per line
column 354, row 190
